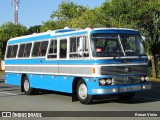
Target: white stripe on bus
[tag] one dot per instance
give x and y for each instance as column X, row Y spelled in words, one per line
column 65, row 74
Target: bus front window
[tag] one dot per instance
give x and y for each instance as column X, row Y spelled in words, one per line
column 105, row 45
column 132, row 45
column 110, row 45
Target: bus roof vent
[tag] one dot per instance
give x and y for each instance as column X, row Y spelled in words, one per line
column 66, row 27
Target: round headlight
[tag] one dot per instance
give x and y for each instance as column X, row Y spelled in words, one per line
column 146, row 78
column 108, row 81
column 102, row 82
column 142, row 78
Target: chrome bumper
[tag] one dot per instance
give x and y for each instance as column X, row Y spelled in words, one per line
column 118, row 89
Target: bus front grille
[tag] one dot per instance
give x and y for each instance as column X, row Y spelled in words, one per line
column 124, row 70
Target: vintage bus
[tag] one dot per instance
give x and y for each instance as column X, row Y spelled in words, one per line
column 85, row 62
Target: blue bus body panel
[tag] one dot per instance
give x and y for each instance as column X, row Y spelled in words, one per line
column 13, row 78
column 68, row 62
column 48, row 82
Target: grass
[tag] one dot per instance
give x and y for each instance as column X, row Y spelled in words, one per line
column 2, row 73
column 155, row 79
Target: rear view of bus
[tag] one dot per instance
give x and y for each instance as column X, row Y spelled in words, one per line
column 85, row 63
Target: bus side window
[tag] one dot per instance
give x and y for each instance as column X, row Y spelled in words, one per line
column 75, row 47
column 21, row 50
column 28, row 49
column 36, row 49
column 74, row 44
column 15, row 48
column 25, row 50
column 43, row 48
column 39, row 49
column 12, row 51
column 63, row 48
column 52, row 49
column 9, row 50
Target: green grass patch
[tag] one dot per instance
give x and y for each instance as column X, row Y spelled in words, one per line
column 2, row 72
column 155, row 79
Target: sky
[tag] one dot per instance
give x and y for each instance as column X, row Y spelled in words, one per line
column 34, row 12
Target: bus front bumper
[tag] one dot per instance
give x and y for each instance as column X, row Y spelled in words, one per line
column 122, row 88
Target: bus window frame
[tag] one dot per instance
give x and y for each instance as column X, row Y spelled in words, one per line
column 60, row 39
column 6, row 58
column 31, row 56
column 48, row 48
column 25, row 46
column 89, row 47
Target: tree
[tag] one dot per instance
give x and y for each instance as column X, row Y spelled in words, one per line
column 8, row 31
column 34, row 29
column 89, row 18
column 67, row 12
column 139, row 14
column 119, row 13
column 147, row 15
column 48, row 25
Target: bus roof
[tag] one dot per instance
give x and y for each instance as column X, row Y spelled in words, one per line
column 67, row 32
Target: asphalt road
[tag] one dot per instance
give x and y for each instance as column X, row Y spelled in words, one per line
column 11, row 99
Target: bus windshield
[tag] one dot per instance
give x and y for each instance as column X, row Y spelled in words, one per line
column 114, row 45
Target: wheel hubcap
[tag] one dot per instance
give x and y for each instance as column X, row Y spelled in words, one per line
column 82, row 91
column 26, row 85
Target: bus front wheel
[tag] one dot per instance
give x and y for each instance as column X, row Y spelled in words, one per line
column 27, row 89
column 82, row 93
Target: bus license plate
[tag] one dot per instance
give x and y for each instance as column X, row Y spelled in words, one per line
column 129, row 88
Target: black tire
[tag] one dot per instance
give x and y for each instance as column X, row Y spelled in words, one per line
column 126, row 96
column 82, row 93
column 27, row 89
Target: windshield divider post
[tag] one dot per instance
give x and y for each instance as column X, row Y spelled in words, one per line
column 121, row 45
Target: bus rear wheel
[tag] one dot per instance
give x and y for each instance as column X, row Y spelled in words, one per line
column 27, row 89
column 82, row 93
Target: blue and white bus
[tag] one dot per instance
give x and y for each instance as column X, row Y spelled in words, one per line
column 85, row 63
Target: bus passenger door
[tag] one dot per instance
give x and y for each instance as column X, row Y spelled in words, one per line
column 52, row 63
column 63, row 70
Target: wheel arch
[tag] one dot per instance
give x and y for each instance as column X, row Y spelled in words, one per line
column 74, row 88
column 22, row 88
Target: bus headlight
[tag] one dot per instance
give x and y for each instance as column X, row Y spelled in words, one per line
column 102, row 82
column 108, row 81
column 147, row 78
column 142, row 78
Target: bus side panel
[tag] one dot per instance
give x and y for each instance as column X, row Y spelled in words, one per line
column 65, row 83
column 51, row 82
column 91, row 83
column 47, row 82
column 13, row 78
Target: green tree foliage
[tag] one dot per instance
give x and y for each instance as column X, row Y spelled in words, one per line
column 67, row 11
column 34, row 29
column 89, row 18
column 148, row 20
column 119, row 13
column 48, row 25
column 139, row 14
column 8, row 31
